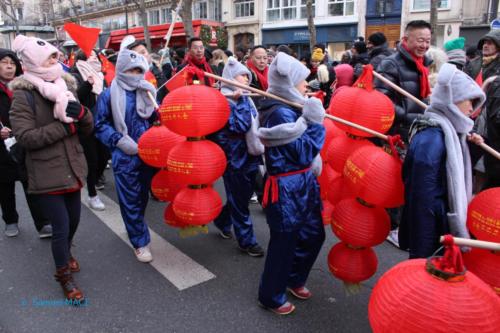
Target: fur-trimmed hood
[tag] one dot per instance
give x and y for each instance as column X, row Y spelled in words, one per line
column 21, row 83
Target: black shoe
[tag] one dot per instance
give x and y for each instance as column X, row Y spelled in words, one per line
column 254, row 250
column 225, row 234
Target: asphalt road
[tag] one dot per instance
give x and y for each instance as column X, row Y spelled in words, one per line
column 124, row 295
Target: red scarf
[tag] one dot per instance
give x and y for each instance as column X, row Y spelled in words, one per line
column 203, row 65
column 425, row 87
column 261, row 75
column 7, row 91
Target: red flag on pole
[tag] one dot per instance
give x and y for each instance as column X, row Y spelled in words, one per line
column 71, row 59
column 84, row 37
column 108, row 69
column 178, row 80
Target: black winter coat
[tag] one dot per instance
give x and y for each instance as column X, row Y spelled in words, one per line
column 379, row 53
column 492, row 110
column 401, row 69
column 8, row 169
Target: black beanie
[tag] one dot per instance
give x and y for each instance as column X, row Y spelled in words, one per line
column 360, row 47
column 8, row 53
column 377, row 39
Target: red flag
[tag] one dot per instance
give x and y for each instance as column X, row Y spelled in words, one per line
column 178, row 80
column 84, row 37
column 150, row 77
column 71, row 59
column 108, row 69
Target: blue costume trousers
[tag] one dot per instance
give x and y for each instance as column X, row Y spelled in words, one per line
column 239, row 186
column 132, row 181
column 290, row 257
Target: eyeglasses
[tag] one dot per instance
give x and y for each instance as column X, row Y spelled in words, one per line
column 197, row 47
column 8, row 62
column 261, row 58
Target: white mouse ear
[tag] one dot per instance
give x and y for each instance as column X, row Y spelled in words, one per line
column 283, row 63
column 129, row 39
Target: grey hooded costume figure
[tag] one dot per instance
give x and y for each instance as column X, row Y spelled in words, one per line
column 242, row 166
column 293, row 139
column 437, row 170
column 123, row 113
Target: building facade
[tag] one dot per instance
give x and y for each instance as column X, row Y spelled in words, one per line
column 384, row 16
column 30, row 19
column 243, row 20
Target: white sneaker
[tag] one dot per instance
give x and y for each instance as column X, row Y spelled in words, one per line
column 96, row 204
column 143, row 254
column 254, row 199
column 393, row 237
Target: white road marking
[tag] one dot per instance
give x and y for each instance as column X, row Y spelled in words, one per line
column 182, row 271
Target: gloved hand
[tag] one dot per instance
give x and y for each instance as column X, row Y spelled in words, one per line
column 75, row 110
column 127, row 145
column 313, row 111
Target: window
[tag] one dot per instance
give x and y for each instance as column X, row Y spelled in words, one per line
column 303, row 9
column 201, row 10
column 273, row 10
column 154, row 17
column 384, row 6
column 426, row 4
column 244, row 8
column 289, row 9
column 166, row 15
column 340, row 7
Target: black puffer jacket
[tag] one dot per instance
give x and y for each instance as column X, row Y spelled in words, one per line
column 379, row 53
column 401, row 69
column 492, row 109
column 8, row 169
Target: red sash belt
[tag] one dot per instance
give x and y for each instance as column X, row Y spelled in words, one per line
column 272, row 185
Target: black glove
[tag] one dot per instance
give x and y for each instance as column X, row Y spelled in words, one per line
column 75, row 110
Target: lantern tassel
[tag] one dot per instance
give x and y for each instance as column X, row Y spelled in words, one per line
column 193, row 230
column 352, row 289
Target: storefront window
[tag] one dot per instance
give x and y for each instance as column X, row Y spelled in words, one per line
column 244, row 8
column 340, row 7
column 426, row 4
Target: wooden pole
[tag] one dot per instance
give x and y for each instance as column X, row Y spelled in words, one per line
column 295, row 105
column 474, row 243
column 153, row 100
column 403, row 92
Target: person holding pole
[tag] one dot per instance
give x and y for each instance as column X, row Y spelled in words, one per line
column 123, row 113
column 292, row 141
column 437, row 170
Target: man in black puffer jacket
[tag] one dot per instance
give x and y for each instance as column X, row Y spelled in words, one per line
column 377, row 49
column 408, row 68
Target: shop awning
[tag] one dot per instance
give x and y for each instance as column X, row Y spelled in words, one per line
column 157, row 33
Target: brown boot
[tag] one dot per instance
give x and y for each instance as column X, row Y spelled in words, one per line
column 74, row 266
column 70, row 289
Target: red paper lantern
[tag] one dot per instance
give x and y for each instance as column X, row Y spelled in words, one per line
column 486, row 265
column 196, row 162
column 483, row 215
column 371, row 109
column 338, row 190
column 197, row 206
column 155, row 144
column 375, row 176
column 326, row 177
column 352, row 265
column 164, row 186
column 326, row 213
column 171, row 219
column 340, row 148
column 359, row 225
column 414, row 297
column 194, row 110
column 331, row 131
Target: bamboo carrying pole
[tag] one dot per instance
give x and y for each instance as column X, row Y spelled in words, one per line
column 403, row 92
column 295, row 105
column 474, row 243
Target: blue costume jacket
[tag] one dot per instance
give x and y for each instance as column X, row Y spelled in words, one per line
column 132, row 176
column 239, row 178
column 424, row 175
column 296, row 228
